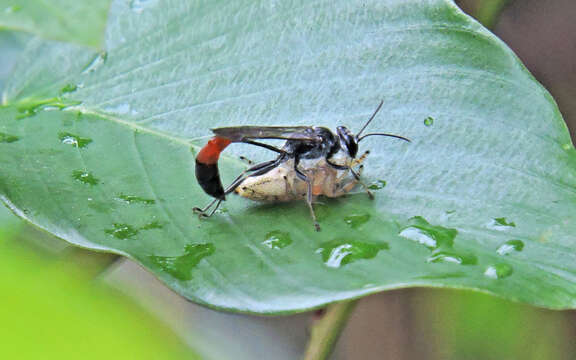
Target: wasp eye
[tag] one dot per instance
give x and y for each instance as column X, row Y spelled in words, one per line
column 348, row 140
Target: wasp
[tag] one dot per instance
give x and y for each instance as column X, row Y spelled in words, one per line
column 312, row 162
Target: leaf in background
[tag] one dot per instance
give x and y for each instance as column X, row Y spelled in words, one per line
column 490, row 166
column 80, row 22
column 66, row 314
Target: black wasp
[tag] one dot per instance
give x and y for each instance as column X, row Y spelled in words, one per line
column 313, row 161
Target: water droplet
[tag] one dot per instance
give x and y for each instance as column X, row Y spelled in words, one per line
column 339, row 252
column 181, row 267
column 74, row 140
column 12, row 9
column 6, row 138
column 85, row 177
column 68, row 88
column 357, row 220
column 378, row 185
column 30, row 107
column 131, row 199
column 139, row 5
column 500, row 224
column 567, row 146
column 98, row 61
column 152, row 225
column 498, row 271
column 431, row 236
column 277, row 239
column 25, row 113
column 429, row 121
column 452, row 257
column 510, row 246
column 122, row 231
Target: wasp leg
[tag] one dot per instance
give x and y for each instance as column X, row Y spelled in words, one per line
column 256, row 170
column 203, row 213
column 308, row 181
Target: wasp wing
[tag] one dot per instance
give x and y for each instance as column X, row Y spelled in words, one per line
column 242, row 133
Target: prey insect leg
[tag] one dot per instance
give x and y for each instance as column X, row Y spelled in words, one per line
column 357, row 174
column 354, row 173
column 364, row 186
column 308, row 181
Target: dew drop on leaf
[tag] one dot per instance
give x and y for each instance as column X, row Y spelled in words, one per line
column 431, row 236
column 277, row 239
column 378, row 185
column 339, row 252
column 510, row 246
column 498, row 271
column 6, row 138
column 152, row 225
column 68, row 88
column 122, row 231
column 132, row 199
column 74, row 140
column 452, row 257
column 356, row 220
column 25, row 113
column 85, row 177
column 500, row 224
column 181, row 267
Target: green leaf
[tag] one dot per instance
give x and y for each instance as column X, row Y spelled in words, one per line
column 66, row 314
column 490, row 159
column 80, row 22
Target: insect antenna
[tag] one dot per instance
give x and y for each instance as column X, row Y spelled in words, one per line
column 382, row 134
column 369, row 120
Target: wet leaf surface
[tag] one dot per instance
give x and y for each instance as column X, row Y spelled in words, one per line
column 490, row 162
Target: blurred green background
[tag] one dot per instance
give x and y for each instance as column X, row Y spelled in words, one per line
column 61, row 302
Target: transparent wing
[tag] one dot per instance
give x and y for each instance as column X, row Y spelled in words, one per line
column 242, row 133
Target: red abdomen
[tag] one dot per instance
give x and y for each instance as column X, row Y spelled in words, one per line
column 207, row 172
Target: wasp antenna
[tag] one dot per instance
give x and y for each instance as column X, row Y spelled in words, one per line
column 383, row 134
column 370, row 120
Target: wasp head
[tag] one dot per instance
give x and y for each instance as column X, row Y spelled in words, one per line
column 348, row 140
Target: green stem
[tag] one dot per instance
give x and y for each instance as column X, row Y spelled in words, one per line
column 327, row 329
column 488, row 11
